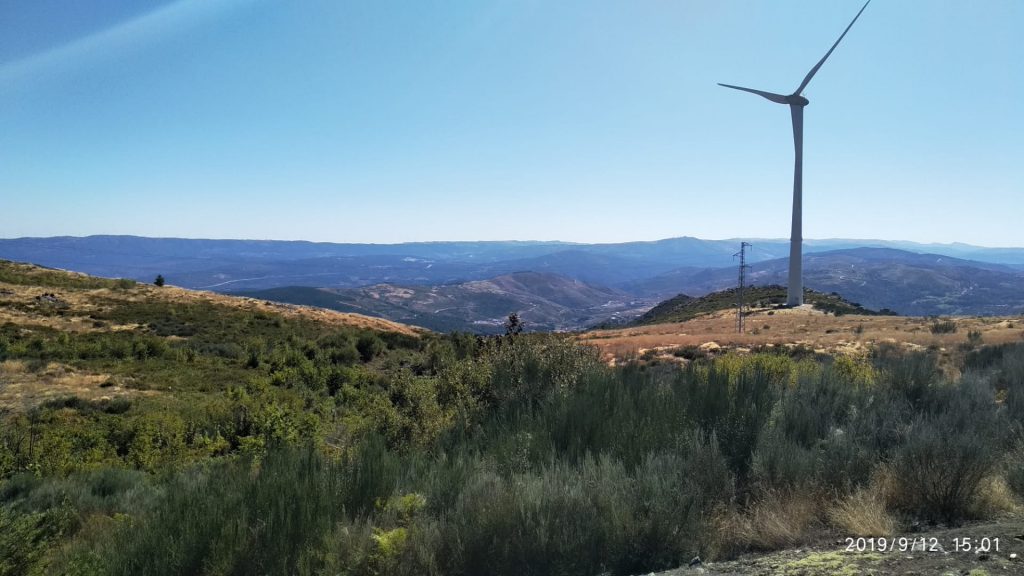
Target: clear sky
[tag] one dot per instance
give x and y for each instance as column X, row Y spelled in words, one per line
column 578, row 120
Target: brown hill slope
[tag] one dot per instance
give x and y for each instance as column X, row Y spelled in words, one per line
column 804, row 326
column 64, row 299
column 69, row 334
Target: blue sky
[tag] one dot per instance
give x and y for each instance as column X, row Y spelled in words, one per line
column 381, row 121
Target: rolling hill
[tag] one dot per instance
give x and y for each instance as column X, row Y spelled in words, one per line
column 682, row 307
column 909, row 283
column 545, row 302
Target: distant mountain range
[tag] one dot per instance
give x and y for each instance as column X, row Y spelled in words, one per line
column 469, row 285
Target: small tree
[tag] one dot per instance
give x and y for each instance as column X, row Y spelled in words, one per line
column 159, row 280
column 513, row 325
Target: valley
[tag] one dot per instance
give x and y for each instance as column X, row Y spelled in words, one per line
column 546, row 303
column 473, row 286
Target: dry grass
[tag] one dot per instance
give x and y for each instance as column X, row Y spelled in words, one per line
column 995, row 498
column 23, row 385
column 778, row 520
column 863, row 513
column 19, row 305
column 849, row 334
column 323, row 315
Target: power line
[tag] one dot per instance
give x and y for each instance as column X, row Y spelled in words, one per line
column 743, row 270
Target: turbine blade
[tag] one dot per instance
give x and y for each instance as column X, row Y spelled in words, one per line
column 779, row 98
column 814, row 70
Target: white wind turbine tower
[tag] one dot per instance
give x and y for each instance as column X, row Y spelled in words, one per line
column 796, row 108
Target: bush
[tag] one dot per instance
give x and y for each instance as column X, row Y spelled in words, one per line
column 943, row 327
column 974, row 339
column 939, row 470
column 586, row 519
column 233, row 518
column 369, row 346
column 24, row 539
column 734, row 398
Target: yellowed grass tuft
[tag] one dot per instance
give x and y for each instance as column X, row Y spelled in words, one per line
column 995, row 498
column 863, row 513
column 779, row 520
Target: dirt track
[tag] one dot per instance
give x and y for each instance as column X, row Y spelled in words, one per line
column 939, row 556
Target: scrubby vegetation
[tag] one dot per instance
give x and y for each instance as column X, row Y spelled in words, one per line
column 682, row 307
column 943, row 327
column 265, row 445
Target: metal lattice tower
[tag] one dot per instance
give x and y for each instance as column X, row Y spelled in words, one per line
column 743, row 271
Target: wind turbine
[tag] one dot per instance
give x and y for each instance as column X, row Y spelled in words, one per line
column 796, row 108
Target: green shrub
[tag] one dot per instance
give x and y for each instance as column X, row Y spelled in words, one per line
column 369, row 346
column 24, row 539
column 946, row 455
column 734, row 399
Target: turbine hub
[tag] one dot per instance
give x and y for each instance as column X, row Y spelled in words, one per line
column 797, row 99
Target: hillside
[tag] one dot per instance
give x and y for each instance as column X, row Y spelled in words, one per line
column 698, row 330
column 545, row 302
column 148, row 430
column 683, row 307
column 907, row 282
column 78, row 330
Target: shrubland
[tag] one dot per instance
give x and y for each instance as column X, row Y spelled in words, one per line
column 254, row 444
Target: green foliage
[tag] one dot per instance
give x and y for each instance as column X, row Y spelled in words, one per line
column 159, row 280
column 947, row 452
column 271, row 445
column 37, row 513
column 735, row 398
column 369, row 346
column 683, row 307
column 25, row 538
column 513, row 325
column 25, row 275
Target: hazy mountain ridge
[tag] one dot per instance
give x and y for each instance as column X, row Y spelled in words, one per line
column 257, row 264
column 630, row 275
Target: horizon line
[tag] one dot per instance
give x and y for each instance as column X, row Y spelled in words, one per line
column 522, row 241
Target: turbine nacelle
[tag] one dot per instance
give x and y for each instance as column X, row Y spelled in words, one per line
column 797, row 100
